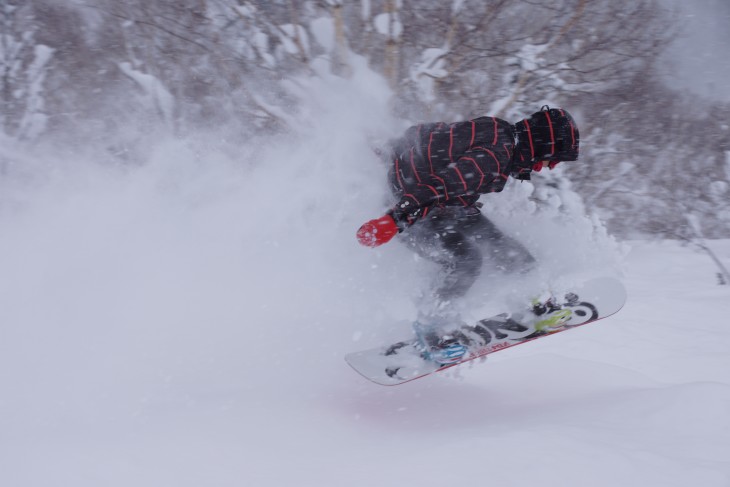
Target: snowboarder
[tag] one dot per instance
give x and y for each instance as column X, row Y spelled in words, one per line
column 438, row 173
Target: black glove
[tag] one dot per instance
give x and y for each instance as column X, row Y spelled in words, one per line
column 406, row 212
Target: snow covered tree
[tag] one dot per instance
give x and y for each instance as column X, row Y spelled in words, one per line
column 239, row 66
column 23, row 65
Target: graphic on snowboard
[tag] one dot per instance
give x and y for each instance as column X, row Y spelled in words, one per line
column 404, row 361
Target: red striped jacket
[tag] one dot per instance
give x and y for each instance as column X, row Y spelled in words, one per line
column 449, row 164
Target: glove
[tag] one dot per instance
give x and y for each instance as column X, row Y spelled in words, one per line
column 377, row 232
column 407, row 211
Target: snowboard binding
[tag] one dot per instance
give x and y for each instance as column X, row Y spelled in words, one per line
column 441, row 348
column 555, row 315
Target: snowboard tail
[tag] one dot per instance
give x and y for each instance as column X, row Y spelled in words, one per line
column 403, row 361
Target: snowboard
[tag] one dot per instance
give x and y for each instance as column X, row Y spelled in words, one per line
column 403, row 361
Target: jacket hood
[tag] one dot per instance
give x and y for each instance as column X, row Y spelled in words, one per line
column 548, row 135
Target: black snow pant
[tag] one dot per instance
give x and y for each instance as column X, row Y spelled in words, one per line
column 460, row 239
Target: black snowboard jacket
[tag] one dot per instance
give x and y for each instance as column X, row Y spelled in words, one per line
column 440, row 164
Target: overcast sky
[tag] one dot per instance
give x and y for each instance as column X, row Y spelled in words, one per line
column 699, row 59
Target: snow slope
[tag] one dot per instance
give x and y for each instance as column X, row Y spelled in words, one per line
column 183, row 323
column 639, row 399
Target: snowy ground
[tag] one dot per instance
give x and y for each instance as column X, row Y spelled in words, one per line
column 183, row 322
column 639, row 399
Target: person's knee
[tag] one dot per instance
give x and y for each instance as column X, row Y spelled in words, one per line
column 514, row 259
column 460, row 270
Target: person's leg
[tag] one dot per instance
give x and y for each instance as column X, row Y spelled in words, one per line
column 440, row 238
column 454, row 238
column 507, row 254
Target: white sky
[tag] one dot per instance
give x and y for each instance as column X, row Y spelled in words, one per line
column 699, row 60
